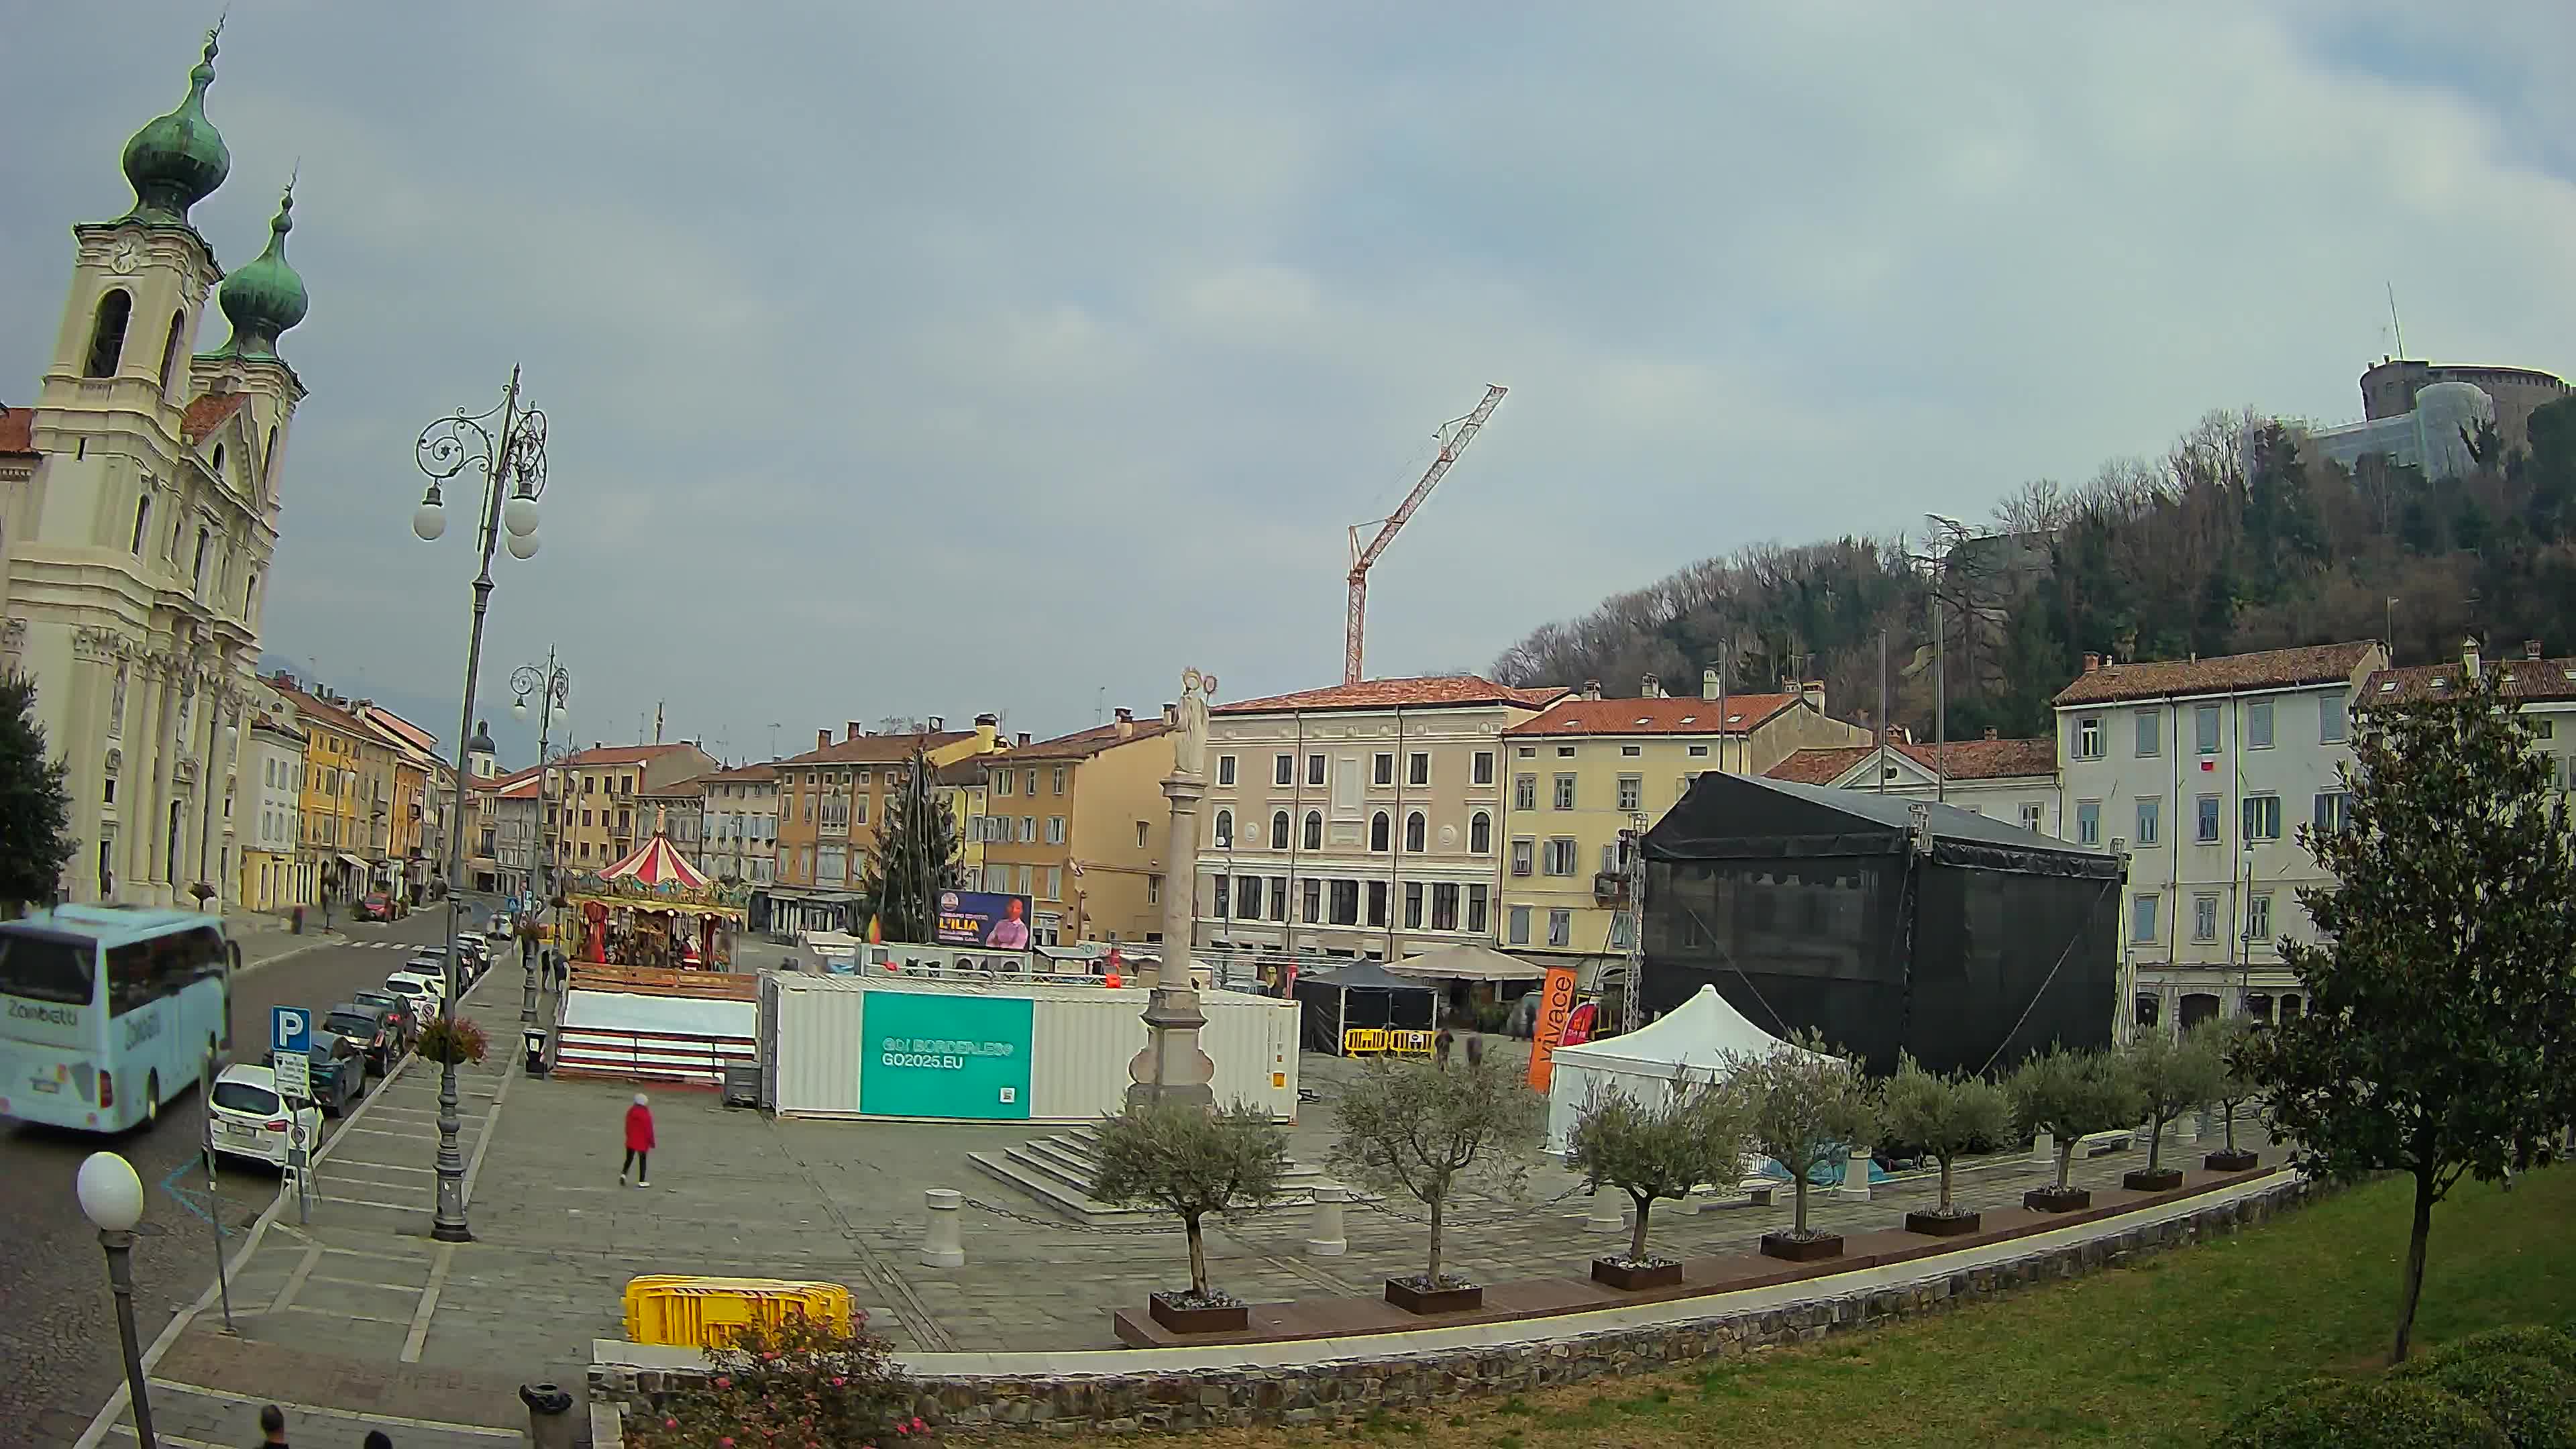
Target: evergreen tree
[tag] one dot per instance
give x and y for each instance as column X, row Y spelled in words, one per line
column 2440, row 1036
column 916, row 857
column 35, row 811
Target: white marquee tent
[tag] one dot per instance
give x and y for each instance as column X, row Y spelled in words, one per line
column 1690, row 1042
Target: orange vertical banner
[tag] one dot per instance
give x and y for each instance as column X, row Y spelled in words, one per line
column 1555, row 1006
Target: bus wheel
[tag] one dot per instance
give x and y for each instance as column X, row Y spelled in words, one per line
column 152, row 1099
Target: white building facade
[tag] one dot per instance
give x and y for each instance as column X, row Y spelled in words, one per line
column 2014, row 781
column 271, row 816
column 741, row 825
column 2201, row 773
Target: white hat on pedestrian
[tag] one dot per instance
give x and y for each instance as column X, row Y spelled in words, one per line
column 639, row 1099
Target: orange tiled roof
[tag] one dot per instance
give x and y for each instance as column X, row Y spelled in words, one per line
column 746, row 773
column 17, row 430
column 615, row 755
column 1083, row 744
column 207, row 413
column 1968, row 760
column 1420, row 693
column 2267, row 669
column 1667, row 716
column 878, row 749
column 2523, row 679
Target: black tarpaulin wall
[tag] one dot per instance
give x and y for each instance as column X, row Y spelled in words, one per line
column 1814, row 908
column 1361, row 994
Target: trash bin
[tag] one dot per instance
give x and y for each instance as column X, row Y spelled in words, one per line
column 298, row 927
column 534, row 1038
column 549, row 1415
column 742, row 1084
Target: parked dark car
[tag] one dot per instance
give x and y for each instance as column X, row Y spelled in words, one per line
column 379, row 1037
column 376, row 906
column 399, row 1008
column 339, row 1071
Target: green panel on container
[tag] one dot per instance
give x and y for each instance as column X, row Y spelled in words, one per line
column 935, row 1055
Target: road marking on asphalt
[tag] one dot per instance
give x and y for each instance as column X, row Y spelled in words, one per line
column 362, row 1283
column 158, row 1437
column 338, row 1313
column 361, row 1415
column 295, row 1280
column 377, row 1166
column 428, row 1304
column 370, row 1202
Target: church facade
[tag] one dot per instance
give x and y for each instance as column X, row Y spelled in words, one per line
column 135, row 538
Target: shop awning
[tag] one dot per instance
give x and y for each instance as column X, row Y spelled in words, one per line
column 1467, row 962
column 352, row 861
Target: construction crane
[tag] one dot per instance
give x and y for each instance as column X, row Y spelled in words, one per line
column 1454, row 437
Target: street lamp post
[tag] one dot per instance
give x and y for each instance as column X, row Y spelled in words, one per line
column 513, row 465
column 553, row 687
column 111, row 1197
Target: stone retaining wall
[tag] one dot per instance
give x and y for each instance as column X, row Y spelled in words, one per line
column 1308, row 1393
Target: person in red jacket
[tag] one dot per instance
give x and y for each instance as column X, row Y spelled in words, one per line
column 639, row 1143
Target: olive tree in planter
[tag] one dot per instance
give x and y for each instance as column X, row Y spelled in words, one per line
column 1804, row 1106
column 1695, row 1134
column 2226, row 1039
column 1425, row 1129
column 1944, row 1117
column 2171, row 1077
column 2069, row 1094
column 1189, row 1162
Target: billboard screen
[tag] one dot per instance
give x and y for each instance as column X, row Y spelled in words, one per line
column 981, row 918
column 937, row 1055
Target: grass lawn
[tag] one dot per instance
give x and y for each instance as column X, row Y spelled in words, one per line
column 2165, row 1353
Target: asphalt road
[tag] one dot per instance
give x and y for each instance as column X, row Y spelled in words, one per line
column 57, row 1322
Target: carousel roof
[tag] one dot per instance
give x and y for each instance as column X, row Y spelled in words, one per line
column 657, row 863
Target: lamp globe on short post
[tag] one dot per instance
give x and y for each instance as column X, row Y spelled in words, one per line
column 111, row 1197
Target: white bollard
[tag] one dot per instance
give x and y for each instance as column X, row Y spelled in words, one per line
column 1855, row 1183
column 2187, row 1127
column 1326, row 1237
column 1609, row 1213
column 2043, row 1150
column 941, row 1247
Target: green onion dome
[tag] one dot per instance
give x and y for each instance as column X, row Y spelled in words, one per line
column 265, row 297
column 178, row 160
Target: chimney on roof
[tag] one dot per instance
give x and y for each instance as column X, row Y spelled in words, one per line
column 2530, row 648
column 938, row 724
column 988, row 730
column 1990, row 732
column 1708, row 685
column 1024, row 739
column 1126, row 723
column 1813, row 691
column 852, row 726
column 2469, row 658
column 1172, row 714
column 1592, row 689
column 2092, row 662
column 1653, row 688
column 823, row 738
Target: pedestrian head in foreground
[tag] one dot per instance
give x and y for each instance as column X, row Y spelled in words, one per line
column 379, row 1439
column 272, row 1425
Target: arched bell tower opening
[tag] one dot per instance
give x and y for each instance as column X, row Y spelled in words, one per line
column 107, row 332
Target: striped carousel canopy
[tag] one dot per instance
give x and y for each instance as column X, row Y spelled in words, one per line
column 658, row 865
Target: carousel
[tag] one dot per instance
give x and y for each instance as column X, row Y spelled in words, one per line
column 654, row 908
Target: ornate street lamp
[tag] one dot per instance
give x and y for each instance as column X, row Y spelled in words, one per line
column 511, row 456
column 111, row 1197
column 553, row 688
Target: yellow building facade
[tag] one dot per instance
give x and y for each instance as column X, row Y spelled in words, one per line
column 832, row 803
column 1078, row 825
column 593, row 815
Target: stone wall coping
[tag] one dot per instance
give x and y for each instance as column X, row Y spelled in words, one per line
column 1513, row 1333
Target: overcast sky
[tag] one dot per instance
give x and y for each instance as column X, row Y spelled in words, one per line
column 911, row 359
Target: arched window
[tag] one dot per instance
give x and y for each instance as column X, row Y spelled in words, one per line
column 198, row 572
column 1414, row 826
column 1314, row 830
column 1279, row 830
column 142, row 519
column 107, row 333
column 1225, row 830
column 1377, row 831
column 219, row 460
column 1480, row 833
column 170, row 347
column 250, row 595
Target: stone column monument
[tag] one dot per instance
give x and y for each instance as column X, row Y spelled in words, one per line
column 1172, row 1068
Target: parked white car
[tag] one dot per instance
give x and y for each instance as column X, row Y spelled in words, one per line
column 250, row 1120
column 424, row 990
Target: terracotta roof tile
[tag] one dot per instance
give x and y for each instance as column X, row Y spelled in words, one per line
column 878, row 749
column 2268, row 669
column 1083, row 744
column 616, row 755
column 1419, row 693
column 207, row 413
column 753, row 774
column 18, row 430
column 1968, row 760
column 1820, row 766
column 2524, row 679
column 1692, row 716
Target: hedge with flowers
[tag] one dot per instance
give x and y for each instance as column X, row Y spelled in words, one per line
column 801, row 1383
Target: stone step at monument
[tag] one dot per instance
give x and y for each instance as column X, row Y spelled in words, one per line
column 1058, row 1171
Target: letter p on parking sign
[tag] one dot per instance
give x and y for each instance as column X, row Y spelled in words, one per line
column 290, row 1029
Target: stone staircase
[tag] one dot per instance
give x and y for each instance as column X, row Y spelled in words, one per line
column 1058, row 1171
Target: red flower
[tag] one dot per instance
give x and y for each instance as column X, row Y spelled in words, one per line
column 838, row 1381
column 917, row 1424
column 724, row 1381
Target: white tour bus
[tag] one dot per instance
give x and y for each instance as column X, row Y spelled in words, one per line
column 107, row 1012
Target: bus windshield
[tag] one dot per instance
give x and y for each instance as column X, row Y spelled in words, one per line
column 40, row 968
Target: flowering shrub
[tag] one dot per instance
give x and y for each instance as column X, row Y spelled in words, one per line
column 799, row 1384
column 452, row 1039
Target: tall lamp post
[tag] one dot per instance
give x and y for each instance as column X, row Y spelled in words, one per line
column 553, row 688
column 512, row 460
column 111, row 1197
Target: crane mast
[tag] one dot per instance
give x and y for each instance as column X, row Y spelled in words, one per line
column 1454, row 437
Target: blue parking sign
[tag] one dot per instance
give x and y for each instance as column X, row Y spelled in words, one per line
column 290, row 1029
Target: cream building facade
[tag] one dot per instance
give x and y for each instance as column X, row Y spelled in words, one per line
column 742, row 824
column 270, row 824
column 137, row 545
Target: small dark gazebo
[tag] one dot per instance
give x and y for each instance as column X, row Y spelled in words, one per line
column 1361, row 994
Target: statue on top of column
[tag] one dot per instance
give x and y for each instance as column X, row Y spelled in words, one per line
column 1189, row 742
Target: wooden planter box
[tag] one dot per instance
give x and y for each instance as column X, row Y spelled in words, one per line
column 2050, row 1200
column 1801, row 1250
column 1404, row 1294
column 2232, row 1161
column 1940, row 1225
column 1224, row 1318
column 2162, row 1179
column 1628, row 1279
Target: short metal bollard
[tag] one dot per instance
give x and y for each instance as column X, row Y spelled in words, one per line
column 549, row 1415
column 1326, row 1237
column 1855, row 1183
column 941, row 1243
column 1609, row 1212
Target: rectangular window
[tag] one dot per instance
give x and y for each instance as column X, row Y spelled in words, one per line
column 2258, row 917
column 2204, row 729
column 2205, row 827
column 1560, row 855
column 2088, row 737
column 1143, row 830
column 1565, row 752
column 1697, row 752
column 1283, row 770
column 2151, row 742
column 1224, row 897
column 1153, row 890
column 1632, row 793
column 1225, row 769
column 1279, row 898
column 1520, row 924
column 1055, row 830
column 1055, row 883
column 1484, row 768
column 1315, row 770
column 2151, row 821
column 1560, row 928
column 1630, row 752
column 1476, row 908
column 1346, row 903
column 1444, row 905
column 1382, row 768
column 2331, row 724
column 1029, row 828
column 2204, row 918
column 1058, row 779
column 1523, row 852
column 2262, row 817
column 2142, row 919
column 1377, row 903
column 1413, row 905
column 2088, row 822
column 1002, row 782
column 2031, row 816
column 1417, row 768
column 1564, row 792
column 1622, row 930
column 1525, row 792
column 2258, row 725
column 2334, row 811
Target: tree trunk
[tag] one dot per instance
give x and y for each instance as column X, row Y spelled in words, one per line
column 2416, row 1237
column 1798, row 1224
column 1637, row 1238
column 2065, row 1163
column 1945, row 1185
column 2156, row 1144
column 1433, row 1279
column 1198, row 1255
column 2230, row 1109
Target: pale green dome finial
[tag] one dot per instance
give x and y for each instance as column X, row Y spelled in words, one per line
column 178, row 160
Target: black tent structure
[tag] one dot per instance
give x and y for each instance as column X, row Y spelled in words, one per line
column 1885, row 923
column 1361, row 994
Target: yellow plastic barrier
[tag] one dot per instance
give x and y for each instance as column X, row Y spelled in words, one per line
column 693, row 1312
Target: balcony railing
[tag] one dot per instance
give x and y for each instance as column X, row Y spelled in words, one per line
column 1610, row 887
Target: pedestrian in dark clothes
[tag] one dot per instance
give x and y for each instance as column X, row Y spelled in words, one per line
column 272, row 1426
column 379, row 1439
column 639, row 1143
